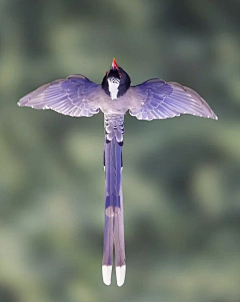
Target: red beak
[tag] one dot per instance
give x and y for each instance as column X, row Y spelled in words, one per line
column 114, row 64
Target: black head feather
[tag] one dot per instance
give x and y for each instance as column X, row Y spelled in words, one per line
column 118, row 74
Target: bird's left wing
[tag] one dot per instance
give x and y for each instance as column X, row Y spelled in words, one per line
column 74, row 96
column 157, row 99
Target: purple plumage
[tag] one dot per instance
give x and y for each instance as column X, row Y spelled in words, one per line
column 158, row 99
column 154, row 99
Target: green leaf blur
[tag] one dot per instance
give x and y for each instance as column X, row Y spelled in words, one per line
column 181, row 177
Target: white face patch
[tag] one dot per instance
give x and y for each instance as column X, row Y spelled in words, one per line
column 113, row 85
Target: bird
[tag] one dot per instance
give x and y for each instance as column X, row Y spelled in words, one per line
column 77, row 96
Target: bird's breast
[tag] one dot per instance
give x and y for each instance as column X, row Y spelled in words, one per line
column 116, row 106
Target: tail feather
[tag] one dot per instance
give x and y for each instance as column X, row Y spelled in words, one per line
column 114, row 226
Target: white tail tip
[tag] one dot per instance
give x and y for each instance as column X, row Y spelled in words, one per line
column 120, row 274
column 107, row 274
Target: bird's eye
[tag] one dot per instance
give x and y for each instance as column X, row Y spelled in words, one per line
column 120, row 75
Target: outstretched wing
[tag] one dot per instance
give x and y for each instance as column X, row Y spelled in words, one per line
column 74, row 96
column 157, row 99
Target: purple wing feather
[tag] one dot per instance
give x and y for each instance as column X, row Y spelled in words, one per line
column 157, row 99
column 74, row 96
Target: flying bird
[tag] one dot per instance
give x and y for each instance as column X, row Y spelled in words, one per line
column 77, row 96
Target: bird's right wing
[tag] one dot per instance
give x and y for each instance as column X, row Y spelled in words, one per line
column 74, row 96
column 157, row 99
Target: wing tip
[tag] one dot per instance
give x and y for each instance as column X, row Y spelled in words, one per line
column 212, row 116
column 22, row 102
column 107, row 274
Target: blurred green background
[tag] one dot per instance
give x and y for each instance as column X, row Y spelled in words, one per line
column 181, row 177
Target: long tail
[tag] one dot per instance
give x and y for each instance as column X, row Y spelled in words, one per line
column 114, row 226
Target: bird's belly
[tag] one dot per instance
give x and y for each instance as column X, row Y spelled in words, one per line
column 113, row 106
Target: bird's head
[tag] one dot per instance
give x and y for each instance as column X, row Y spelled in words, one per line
column 116, row 81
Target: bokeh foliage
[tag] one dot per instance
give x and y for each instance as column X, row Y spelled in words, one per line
column 181, row 176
